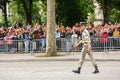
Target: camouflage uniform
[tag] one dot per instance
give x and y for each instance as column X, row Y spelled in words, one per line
column 85, row 36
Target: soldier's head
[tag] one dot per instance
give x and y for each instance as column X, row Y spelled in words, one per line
column 82, row 26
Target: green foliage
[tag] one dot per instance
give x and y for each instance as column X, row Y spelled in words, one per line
column 111, row 9
column 69, row 12
column 42, row 8
column 17, row 11
column 38, row 11
column 1, row 21
column 115, row 16
column 91, row 17
column 3, row 4
column 90, row 10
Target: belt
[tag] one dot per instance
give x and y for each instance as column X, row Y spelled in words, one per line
column 85, row 43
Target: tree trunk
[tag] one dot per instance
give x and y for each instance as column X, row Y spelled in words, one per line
column 51, row 39
column 106, row 10
column 28, row 11
column 5, row 15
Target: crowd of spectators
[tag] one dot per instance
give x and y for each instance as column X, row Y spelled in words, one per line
column 107, row 35
column 18, row 31
column 37, row 31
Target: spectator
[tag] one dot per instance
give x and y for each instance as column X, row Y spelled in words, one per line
column 104, row 39
column 116, row 35
column 28, row 26
column 90, row 28
column 19, row 34
column 62, row 32
column 36, row 34
column 74, row 38
column 97, row 31
column 76, row 26
column 26, row 37
column 42, row 31
column 17, row 24
column 68, row 39
column 110, row 32
column 58, row 39
column 9, row 40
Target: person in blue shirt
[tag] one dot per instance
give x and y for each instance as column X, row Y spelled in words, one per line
column 58, row 39
column 26, row 37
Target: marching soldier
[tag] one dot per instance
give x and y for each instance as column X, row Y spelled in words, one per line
column 86, row 49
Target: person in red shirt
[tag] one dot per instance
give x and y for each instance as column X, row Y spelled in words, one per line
column 105, row 40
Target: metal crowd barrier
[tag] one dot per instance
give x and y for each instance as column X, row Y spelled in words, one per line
column 62, row 44
column 105, row 44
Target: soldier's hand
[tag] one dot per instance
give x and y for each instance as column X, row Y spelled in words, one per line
column 76, row 45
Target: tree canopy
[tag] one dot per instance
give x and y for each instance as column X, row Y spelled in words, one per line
column 108, row 6
column 25, row 8
column 67, row 12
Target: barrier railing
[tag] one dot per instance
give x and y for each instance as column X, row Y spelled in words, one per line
column 62, row 44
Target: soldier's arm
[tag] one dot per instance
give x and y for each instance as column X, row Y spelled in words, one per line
column 89, row 45
column 88, row 40
column 76, row 45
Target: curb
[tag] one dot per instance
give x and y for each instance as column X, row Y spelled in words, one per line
column 49, row 60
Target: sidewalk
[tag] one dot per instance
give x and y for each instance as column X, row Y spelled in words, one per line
column 73, row 56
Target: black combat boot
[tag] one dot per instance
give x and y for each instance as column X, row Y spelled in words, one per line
column 96, row 70
column 77, row 71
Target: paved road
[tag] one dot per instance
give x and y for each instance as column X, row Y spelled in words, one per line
column 58, row 70
column 73, row 56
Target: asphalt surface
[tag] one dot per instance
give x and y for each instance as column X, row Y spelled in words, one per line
column 32, row 67
column 73, row 56
column 58, row 70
